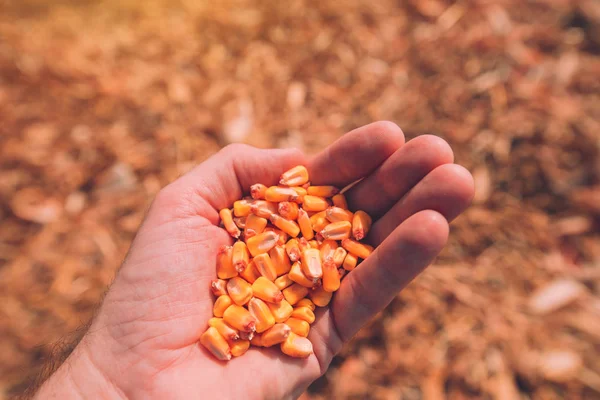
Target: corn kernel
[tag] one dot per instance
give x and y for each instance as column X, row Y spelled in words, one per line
column 338, row 256
column 280, row 260
column 277, row 334
column 239, row 318
column 256, row 341
column 262, row 243
column 224, row 330
column 339, row 200
column 277, row 194
column 263, row 208
column 283, row 281
column 228, row 224
column 301, row 192
column 296, row 176
column 359, row 249
column 314, row 244
column 254, row 226
column 298, row 326
column 261, row 312
column 288, row 210
column 240, row 222
column 266, row 290
column 265, row 266
column 239, row 290
column 314, row 203
column 305, row 225
column 240, row 256
column 281, row 311
column 218, row 287
column 282, row 240
column 319, row 224
column 337, row 230
column 304, row 313
column 293, row 250
column 342, row 272
column 328, row 248
column 336, row 214
column 247, row 335
column 306, row 303
column 257, row 191
column 320, row 296
column 303, row 245
column 286, row 225
column 250, row 273
column 331, row 277
column 350, row 262
column 295, row 293
column 216, row 344
column 239, row 347
column 297, row 275
column 322, row 191
column 361, row 224
column 314, row 216
column 225, row 268
column 242, row 208
column 311, row 264
column 222, row 303
column 297, row 346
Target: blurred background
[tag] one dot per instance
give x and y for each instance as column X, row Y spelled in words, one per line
column 104, row 102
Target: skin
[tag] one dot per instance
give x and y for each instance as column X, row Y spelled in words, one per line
column 143, row 341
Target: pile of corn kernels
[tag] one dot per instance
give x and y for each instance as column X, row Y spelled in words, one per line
column 295, row 242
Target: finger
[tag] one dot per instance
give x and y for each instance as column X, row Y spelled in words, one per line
column 373, row 284
column 356, row 154
column 448, row 189
column 398, row 174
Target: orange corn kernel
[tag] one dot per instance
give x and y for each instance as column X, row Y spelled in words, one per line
column 277, row 334
column 262, row 243
column 225, row 268
column 295, row 293
column 328, row 248
column 359, row 249
column 305, row 225
column 301, row 192
column 296, row 176
column 297, row 275
column 254, row 225
column 281, row 311
column 278, row 194
column 222, row 303
column 256, row 340
column 336, row 214
column 239, row 290
column 304, row 313
column 322, row 191
column 240, row 256
column 337, row 230
column 350, row 262
column 263, row 208
column 293, row 250
column 339, row 200
column 240, row 222
column 314, row 244
column 286, row 225
column 257, row 191
column 320, row 296
column 239, row 318
column 314, row 203
column 266, row 290
column 218, row 287
column 280, row 260
column 338, row 256
column 239, row 347
column 319, row 224
column 311, row 264
column 303, row 245
column 247, row 335
column 306, row 303
column 361, row 224
column 242, row 208
column 298, row 326
column 224, row 330
column 250, row 274
column 216, row 344
column 283, row 281
column 261, row 312
column 288, row 210
column 282, row 235
column 331, row 277
column 297, row 346
column 228, row 224
column 265, row 266
column 314, row 216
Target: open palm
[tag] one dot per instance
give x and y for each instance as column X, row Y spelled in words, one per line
column 144, row 339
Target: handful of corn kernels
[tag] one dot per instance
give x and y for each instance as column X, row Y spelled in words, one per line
column 295, row 242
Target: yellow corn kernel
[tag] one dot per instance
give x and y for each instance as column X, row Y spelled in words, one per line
column 297, row 275
column 320, row 296
column 265, row 266
column 282, row 235
column 338, row 256
column 256, row 340
column 314, row 203
column 339, row 200
column 358, row 249
column 305, row 225
column 293, row 250
column 250, row 274
column 242, row 208
column 266, row 290
column 301, row 192
column 247, row 335
column 277, row 334
column 238, row 347
column 277, row 194
column 311, row 264
column 331, row 277
column 240, row 256
column 286, row 225
column 322, row 191
column 280, row 260
column 295, row 293
column 257, row 191
column 296, row 176
column 337, row 231
column 228, row 224
column 218, row 287
column 225, row 268
column 261, row 312
column 263, row 208
column 221, row 304
column 281, row 311
column 283, row 281
column 298, row 326
column 336, row 214
column 240, row 222
column 239, row 290
column 350, row 262
column 306, row 303
column 288, row 210
column 239, row 318
column 262, row 243
column 328, row 248
column 304, row 313
column 361, row 224
column 319, row 224
column 224, row 330
column 297, row 346
column 216, row 344
column 254, row 225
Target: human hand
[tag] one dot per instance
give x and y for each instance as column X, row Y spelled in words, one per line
column 143, row 343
